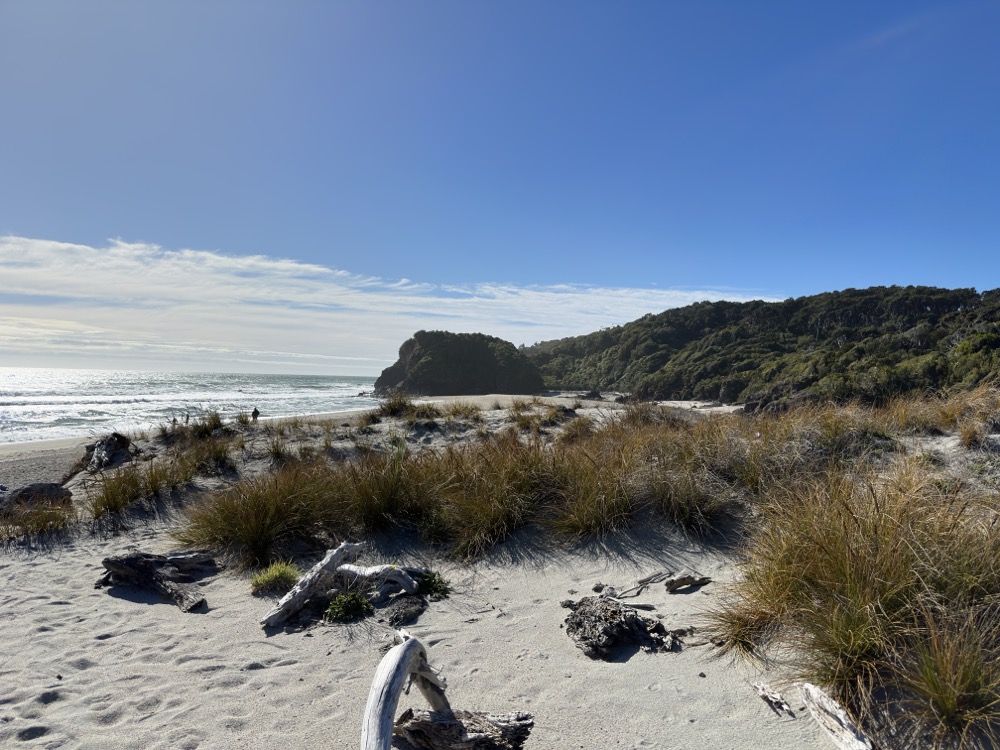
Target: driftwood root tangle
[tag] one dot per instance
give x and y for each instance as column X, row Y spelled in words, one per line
column 834, row 719
column 169, row 575
column 441, row 728
column 598, row 624
column 465, row 731
column 382, row 580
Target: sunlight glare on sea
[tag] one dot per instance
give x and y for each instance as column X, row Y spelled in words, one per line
column 41, row 404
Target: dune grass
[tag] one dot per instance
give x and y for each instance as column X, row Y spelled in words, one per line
column 869, row 571
column 874, row 582
column 45, row 521
column 255, row 517
column 472, row 495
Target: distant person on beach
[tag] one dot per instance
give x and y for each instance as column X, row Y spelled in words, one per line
column 254, row 414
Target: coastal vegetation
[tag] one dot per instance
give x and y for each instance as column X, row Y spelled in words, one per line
column 859, row 344
column 867, row 535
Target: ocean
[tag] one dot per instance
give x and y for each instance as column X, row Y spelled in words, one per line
column 45, row 404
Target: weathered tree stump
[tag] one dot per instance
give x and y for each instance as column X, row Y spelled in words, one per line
column 598, row 624
column 441, row 728
column 169, row 575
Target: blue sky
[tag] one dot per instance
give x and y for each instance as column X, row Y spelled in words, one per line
column 298, row 186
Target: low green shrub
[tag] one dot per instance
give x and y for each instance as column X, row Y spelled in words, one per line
column 434, row 586
column 347, row 607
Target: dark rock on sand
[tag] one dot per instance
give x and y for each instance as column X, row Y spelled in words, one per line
column 404, row 610
column 600, row 624
column 439, row 363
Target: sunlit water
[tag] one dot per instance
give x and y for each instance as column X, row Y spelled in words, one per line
column 43, row 404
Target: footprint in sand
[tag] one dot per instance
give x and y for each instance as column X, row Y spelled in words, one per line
column 82, row 664
column 32, row 733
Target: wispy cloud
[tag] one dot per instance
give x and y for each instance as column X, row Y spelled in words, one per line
column 138, row 305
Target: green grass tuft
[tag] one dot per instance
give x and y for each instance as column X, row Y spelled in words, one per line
column 348, row 607
column 276, row 578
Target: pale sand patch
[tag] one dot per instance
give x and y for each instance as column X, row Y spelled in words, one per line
column 39, row 461
column 119, row 668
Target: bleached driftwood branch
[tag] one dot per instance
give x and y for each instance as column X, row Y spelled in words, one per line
column 772, row 698
column 834, row 719
column 441, row 728
column 386, row 579
column 407, row 658
column 295, row 599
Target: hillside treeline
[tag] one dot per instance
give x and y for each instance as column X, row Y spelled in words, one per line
column 869, row 344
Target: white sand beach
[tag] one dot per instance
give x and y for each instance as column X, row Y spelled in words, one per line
column 122, row 668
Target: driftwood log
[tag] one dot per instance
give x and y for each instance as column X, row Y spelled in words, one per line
column 383, row 580
column 598, row 624
column 686, row 581
column 441, row 728
column 838, row 725
column 311, row 583
column 169, row 575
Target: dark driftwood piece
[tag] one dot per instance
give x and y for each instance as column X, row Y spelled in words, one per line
column 169, row 575
column 441, row 728
column 598, row 624
column 465, row 731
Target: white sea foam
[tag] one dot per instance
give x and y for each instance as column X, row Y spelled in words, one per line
column 41, row 404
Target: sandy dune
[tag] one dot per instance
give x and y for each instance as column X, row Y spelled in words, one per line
column 120, row 668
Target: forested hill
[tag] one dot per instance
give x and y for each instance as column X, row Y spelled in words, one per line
column 859, row 343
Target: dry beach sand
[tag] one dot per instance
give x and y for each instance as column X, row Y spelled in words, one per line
column 121, row 668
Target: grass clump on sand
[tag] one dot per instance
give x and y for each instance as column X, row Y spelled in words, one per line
column 880, row 587
column 347, row 607
column 455, row 410
column 253, row 519
column 36, row 521
column 116, row 491
column 276, row 578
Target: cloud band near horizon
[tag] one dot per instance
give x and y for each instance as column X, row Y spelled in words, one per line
column 138, row 306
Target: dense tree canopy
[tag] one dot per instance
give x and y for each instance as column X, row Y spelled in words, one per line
column 859, row 343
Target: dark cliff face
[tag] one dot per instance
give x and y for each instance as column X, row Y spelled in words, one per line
column 439, row 363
